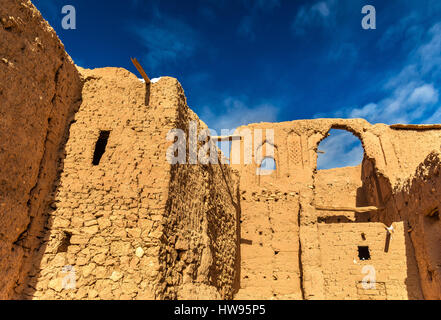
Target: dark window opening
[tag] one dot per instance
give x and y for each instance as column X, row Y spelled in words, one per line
column 363, row 253
column 430, row 275
column 65, row 242
column 100, row 147
column 363, row 236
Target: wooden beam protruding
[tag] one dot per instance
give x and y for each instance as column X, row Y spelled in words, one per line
column 352, row 209
column 140, row 70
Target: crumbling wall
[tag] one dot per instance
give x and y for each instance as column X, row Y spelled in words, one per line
column 111, row 231
column 386, row 164
column 344, row 272
column 339, row 187
column 269, row 220
column 40, row 89
column 104, row 228
column 200, row 224
column 417, row 202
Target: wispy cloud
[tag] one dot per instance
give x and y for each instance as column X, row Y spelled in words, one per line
column 246, row 29
column 237, row 111
column 254, row 8
column 412, row 95
column 262, row 5
column 341, row 149
column 318, row 14
column 167, row 41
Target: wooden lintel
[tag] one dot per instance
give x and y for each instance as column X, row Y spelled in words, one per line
column 140, row 70
column 351, row 209
column 226, row 138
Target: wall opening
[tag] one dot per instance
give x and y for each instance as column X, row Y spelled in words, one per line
column 100, row 147
column 65, row 242
column 363, row 253
column 267, row 167
column 225, row 147
column 268, row 164
column 340, row 149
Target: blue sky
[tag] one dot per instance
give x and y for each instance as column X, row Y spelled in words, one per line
column 246, row 61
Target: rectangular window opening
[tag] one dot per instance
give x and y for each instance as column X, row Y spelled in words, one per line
column 363, row 253
column 100, row 147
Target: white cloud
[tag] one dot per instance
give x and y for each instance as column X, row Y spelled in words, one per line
column 322, row 8
column 254, row 8
column 411, row 95
column 342, row 149
column 236, row 112
column 166, row 40
column 425, row 94
column 319, row 14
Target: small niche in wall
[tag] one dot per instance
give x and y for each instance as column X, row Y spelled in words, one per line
column 363, row 253
column 100, row 147
column 65, row 242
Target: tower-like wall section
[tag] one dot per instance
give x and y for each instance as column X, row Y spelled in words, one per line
column 201, row 223
column 40, row 89
column 417, row 202
column 129, row 224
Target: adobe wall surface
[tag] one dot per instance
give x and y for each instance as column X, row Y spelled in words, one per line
column 133, row 226
column 344, row 184
column 40, row 89
column 201, row 224
column 417, row 201
column 295, row 145
column 344, row 272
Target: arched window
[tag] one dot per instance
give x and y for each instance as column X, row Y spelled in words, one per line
column 340, row 149
column 267, row 167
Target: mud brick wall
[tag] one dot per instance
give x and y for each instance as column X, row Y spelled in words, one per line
column 385, row 166
column 270, row 266
column 40, row 89
column 418, row 202
column 133, row 226
column 106, row 219
column 395, row 270
column 110, row 225
column 201, row 225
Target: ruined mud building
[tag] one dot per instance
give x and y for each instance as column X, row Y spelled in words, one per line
column 84, row 182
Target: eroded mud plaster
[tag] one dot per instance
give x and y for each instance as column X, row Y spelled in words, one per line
column 85, row 187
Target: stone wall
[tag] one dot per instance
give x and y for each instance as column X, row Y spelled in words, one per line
column 40, row 89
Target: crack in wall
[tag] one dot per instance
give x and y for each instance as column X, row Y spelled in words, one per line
column 302, row 288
